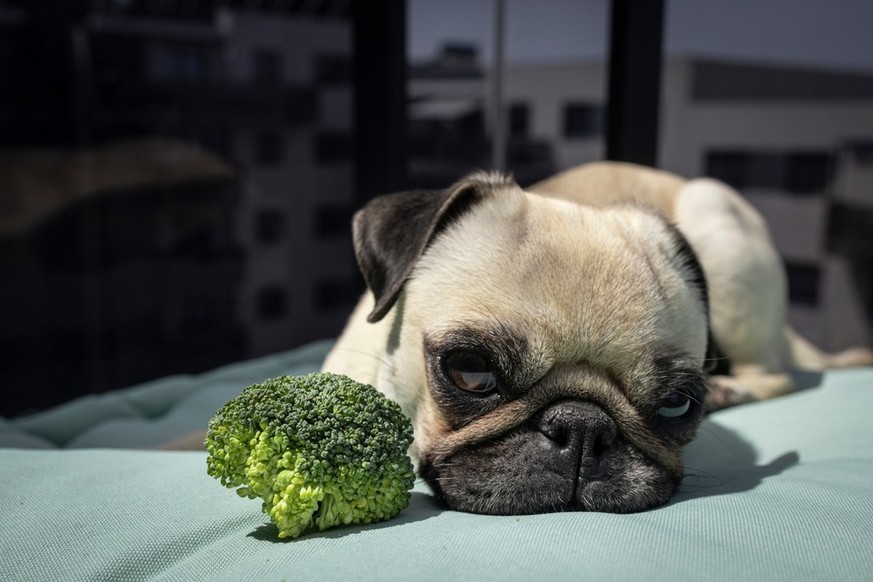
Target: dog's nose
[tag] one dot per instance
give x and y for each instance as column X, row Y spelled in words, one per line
column 580, row 433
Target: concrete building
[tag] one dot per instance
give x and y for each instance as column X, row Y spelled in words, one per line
column 795, row 142
column 300, row 278
column 788, row 139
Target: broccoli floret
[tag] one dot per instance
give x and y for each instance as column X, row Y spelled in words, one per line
column 320, row 450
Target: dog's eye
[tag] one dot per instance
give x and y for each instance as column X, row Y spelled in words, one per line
column 676, row 406
column 470, row 371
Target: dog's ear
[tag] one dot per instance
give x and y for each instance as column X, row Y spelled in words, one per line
column 392, row 231
column 697, row 279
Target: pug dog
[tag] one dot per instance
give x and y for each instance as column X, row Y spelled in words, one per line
column 556, row 347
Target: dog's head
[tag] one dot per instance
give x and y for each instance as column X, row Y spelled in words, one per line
column 549, row 353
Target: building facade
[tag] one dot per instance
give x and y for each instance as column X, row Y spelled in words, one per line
column 795, row 142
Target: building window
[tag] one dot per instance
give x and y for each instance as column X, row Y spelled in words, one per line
column 583, row 120
column 808, row 172
column 862, row 152
column 181, row 63
column 268, row 68
column 269, row 226
column 729, row 167
column 333, row 69
column 748, row 170
column 332, row 221
column 794, row 172
column 848, row 230
column 803, row 283
column 268, row 148
column 519, row 120
column 333, row 146
column 271, row 303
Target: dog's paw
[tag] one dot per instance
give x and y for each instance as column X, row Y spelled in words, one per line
column 724, row 392
column 851, row 358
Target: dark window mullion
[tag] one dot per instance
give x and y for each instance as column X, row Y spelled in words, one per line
column 635, row 60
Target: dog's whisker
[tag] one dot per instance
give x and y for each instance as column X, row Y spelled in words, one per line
column 699, row 473
column 363, row 353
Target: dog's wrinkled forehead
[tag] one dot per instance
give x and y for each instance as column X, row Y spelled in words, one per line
column 607, row 282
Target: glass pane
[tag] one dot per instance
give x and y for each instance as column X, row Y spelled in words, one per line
column 172, row 176
column 553, row 87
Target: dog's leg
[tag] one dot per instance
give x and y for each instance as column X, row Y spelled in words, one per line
column 749, row 384
column 748, row 297
column 805, row 356
column 747, row 291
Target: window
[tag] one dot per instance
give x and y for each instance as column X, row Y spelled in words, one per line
column 200, row 113
column 333, row 146
column 803, row 283
column 862, row 152
column 795, row 172
column 333, row 69
column 583, row 120
column 271, row 303
column 181, row 63
column 808, row 172
column 519, row 120
column 269, row 226
column 729, row 167
column 268, row 68
column 268, row 148
column 848, row 231
column 748, row 170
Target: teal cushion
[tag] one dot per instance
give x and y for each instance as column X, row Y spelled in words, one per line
column 781, row 490
column 155, row 412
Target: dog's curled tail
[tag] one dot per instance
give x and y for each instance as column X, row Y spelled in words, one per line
column 805, row 356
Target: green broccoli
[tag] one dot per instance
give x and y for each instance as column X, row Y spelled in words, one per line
column 320, row 450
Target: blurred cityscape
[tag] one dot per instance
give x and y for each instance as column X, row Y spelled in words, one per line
column 176, row 178
column 175, row 188
column 797, row 142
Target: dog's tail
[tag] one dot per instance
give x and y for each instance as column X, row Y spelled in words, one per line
column 805, row 356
